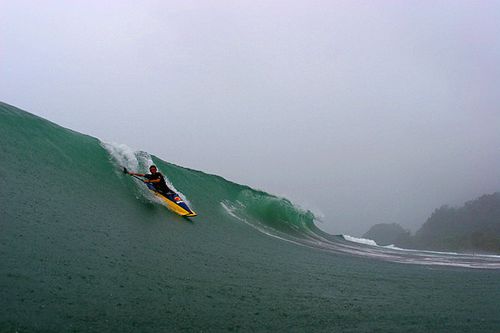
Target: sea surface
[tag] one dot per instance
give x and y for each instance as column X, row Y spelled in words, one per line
column 86, row 248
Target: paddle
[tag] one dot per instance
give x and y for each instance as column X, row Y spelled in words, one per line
column 137, row 177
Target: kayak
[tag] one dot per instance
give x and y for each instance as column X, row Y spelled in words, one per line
column 173, row 202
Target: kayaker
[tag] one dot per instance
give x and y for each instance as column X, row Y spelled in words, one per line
column 156, row 179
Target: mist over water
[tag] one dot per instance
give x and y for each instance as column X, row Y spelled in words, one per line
column 84, row 248
column 366, row 112
column 290, row 127
column 272, row 215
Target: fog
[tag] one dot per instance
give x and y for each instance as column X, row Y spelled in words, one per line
column 363, row 111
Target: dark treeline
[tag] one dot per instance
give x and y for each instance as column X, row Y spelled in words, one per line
column 474, row 227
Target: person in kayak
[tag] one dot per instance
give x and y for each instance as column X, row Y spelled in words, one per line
column 156, row 179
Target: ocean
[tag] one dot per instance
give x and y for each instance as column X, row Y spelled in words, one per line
column 86, row 248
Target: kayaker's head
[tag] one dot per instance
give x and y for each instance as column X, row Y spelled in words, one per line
column 153, row 169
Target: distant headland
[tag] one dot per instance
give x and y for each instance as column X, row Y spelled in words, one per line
column 474, row 227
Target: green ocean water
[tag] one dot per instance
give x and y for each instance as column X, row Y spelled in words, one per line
column 85, row 248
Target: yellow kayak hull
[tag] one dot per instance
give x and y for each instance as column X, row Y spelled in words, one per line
column 175, row 206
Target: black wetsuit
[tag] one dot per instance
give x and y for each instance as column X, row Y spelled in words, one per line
column 160, row 186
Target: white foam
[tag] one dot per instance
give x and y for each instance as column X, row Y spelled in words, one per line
column 123, row 155
column 393, row 247
column 360, row 240
column 134, row 160
column 388, row 253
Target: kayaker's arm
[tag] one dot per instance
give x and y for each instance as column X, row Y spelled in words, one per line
column 136, row 174
column 157, row 180
column 144, row 180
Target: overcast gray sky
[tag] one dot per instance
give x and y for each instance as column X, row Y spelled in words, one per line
column 365, row 111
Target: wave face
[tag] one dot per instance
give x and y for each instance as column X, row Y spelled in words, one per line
column 279, row 218
column 75, row 227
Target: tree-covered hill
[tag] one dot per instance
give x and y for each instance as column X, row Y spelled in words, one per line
column 474, row 227
column 387, row 234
